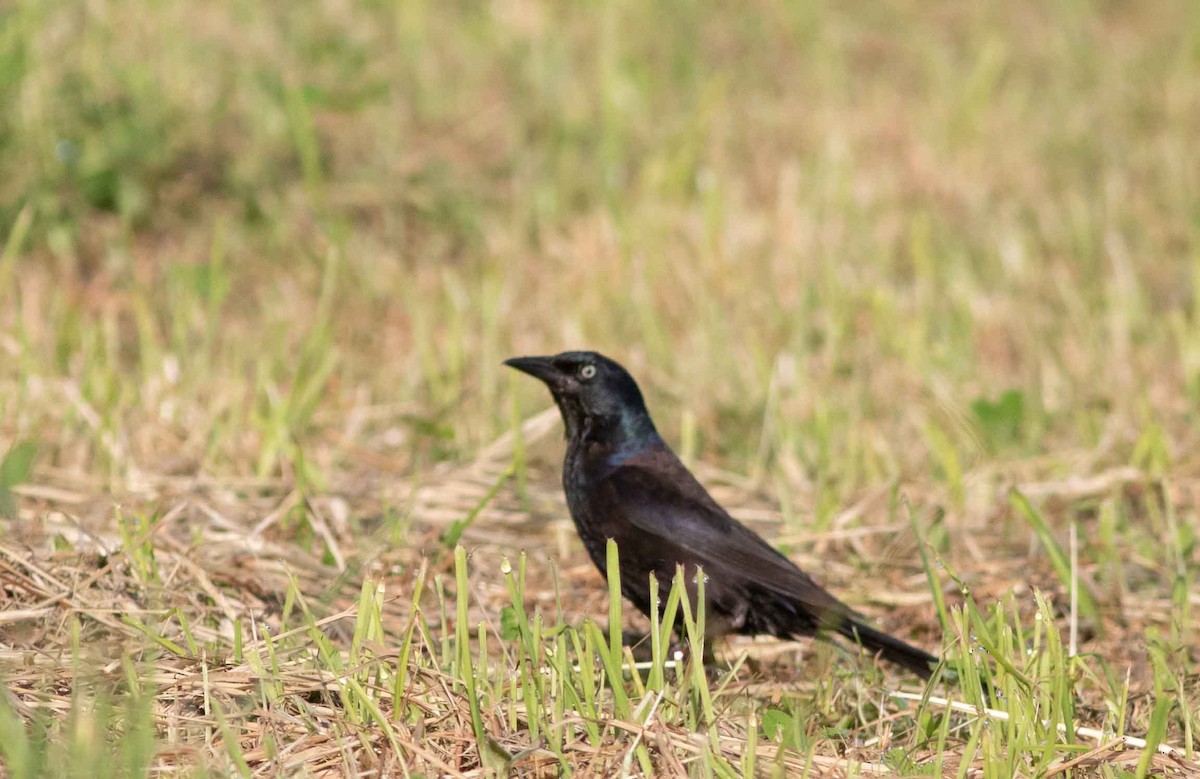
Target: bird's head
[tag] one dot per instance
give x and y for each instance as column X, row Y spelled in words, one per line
column 593, row 393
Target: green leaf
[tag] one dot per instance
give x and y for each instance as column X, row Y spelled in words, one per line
column 1159, row 718
column 14, row 470
column 494, row 756
column 775, row 721
column 1058, row 558
column 1000, row 420
column 100, row 189
column 510, row 626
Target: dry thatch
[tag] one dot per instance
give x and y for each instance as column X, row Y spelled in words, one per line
column 88, row 613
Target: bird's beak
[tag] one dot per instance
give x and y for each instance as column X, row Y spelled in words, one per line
column 538, row 367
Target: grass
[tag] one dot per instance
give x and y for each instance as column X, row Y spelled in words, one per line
column 911, row 285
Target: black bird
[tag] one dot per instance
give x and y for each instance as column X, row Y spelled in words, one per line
column 623, row 482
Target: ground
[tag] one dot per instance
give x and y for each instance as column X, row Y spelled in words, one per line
column 911, row 286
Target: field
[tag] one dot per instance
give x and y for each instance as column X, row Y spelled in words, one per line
column 912, row 286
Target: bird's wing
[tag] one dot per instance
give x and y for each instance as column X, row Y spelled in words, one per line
column 661, row 498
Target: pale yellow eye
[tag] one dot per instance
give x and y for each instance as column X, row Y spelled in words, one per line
column 587, row 372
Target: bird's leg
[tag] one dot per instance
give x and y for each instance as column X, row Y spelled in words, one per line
column 753, row 665
column 680, row 651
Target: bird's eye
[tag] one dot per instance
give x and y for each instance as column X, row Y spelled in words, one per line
column 587, row 372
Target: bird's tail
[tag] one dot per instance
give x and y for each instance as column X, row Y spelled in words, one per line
column 892, row 649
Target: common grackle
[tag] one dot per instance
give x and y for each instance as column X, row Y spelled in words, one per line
column 623, row 482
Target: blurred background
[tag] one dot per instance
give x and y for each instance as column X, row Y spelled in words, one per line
column 260, row 264
column 863, row 240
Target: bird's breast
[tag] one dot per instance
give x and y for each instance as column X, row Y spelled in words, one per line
column 585, row 513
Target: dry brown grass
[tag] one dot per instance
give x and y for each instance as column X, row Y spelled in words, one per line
column 222, row 557
column 259, row 267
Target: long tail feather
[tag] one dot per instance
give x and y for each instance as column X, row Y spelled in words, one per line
column 890, row 648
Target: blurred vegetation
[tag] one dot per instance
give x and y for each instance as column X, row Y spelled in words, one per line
column 842, row 245
column 822, row 229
